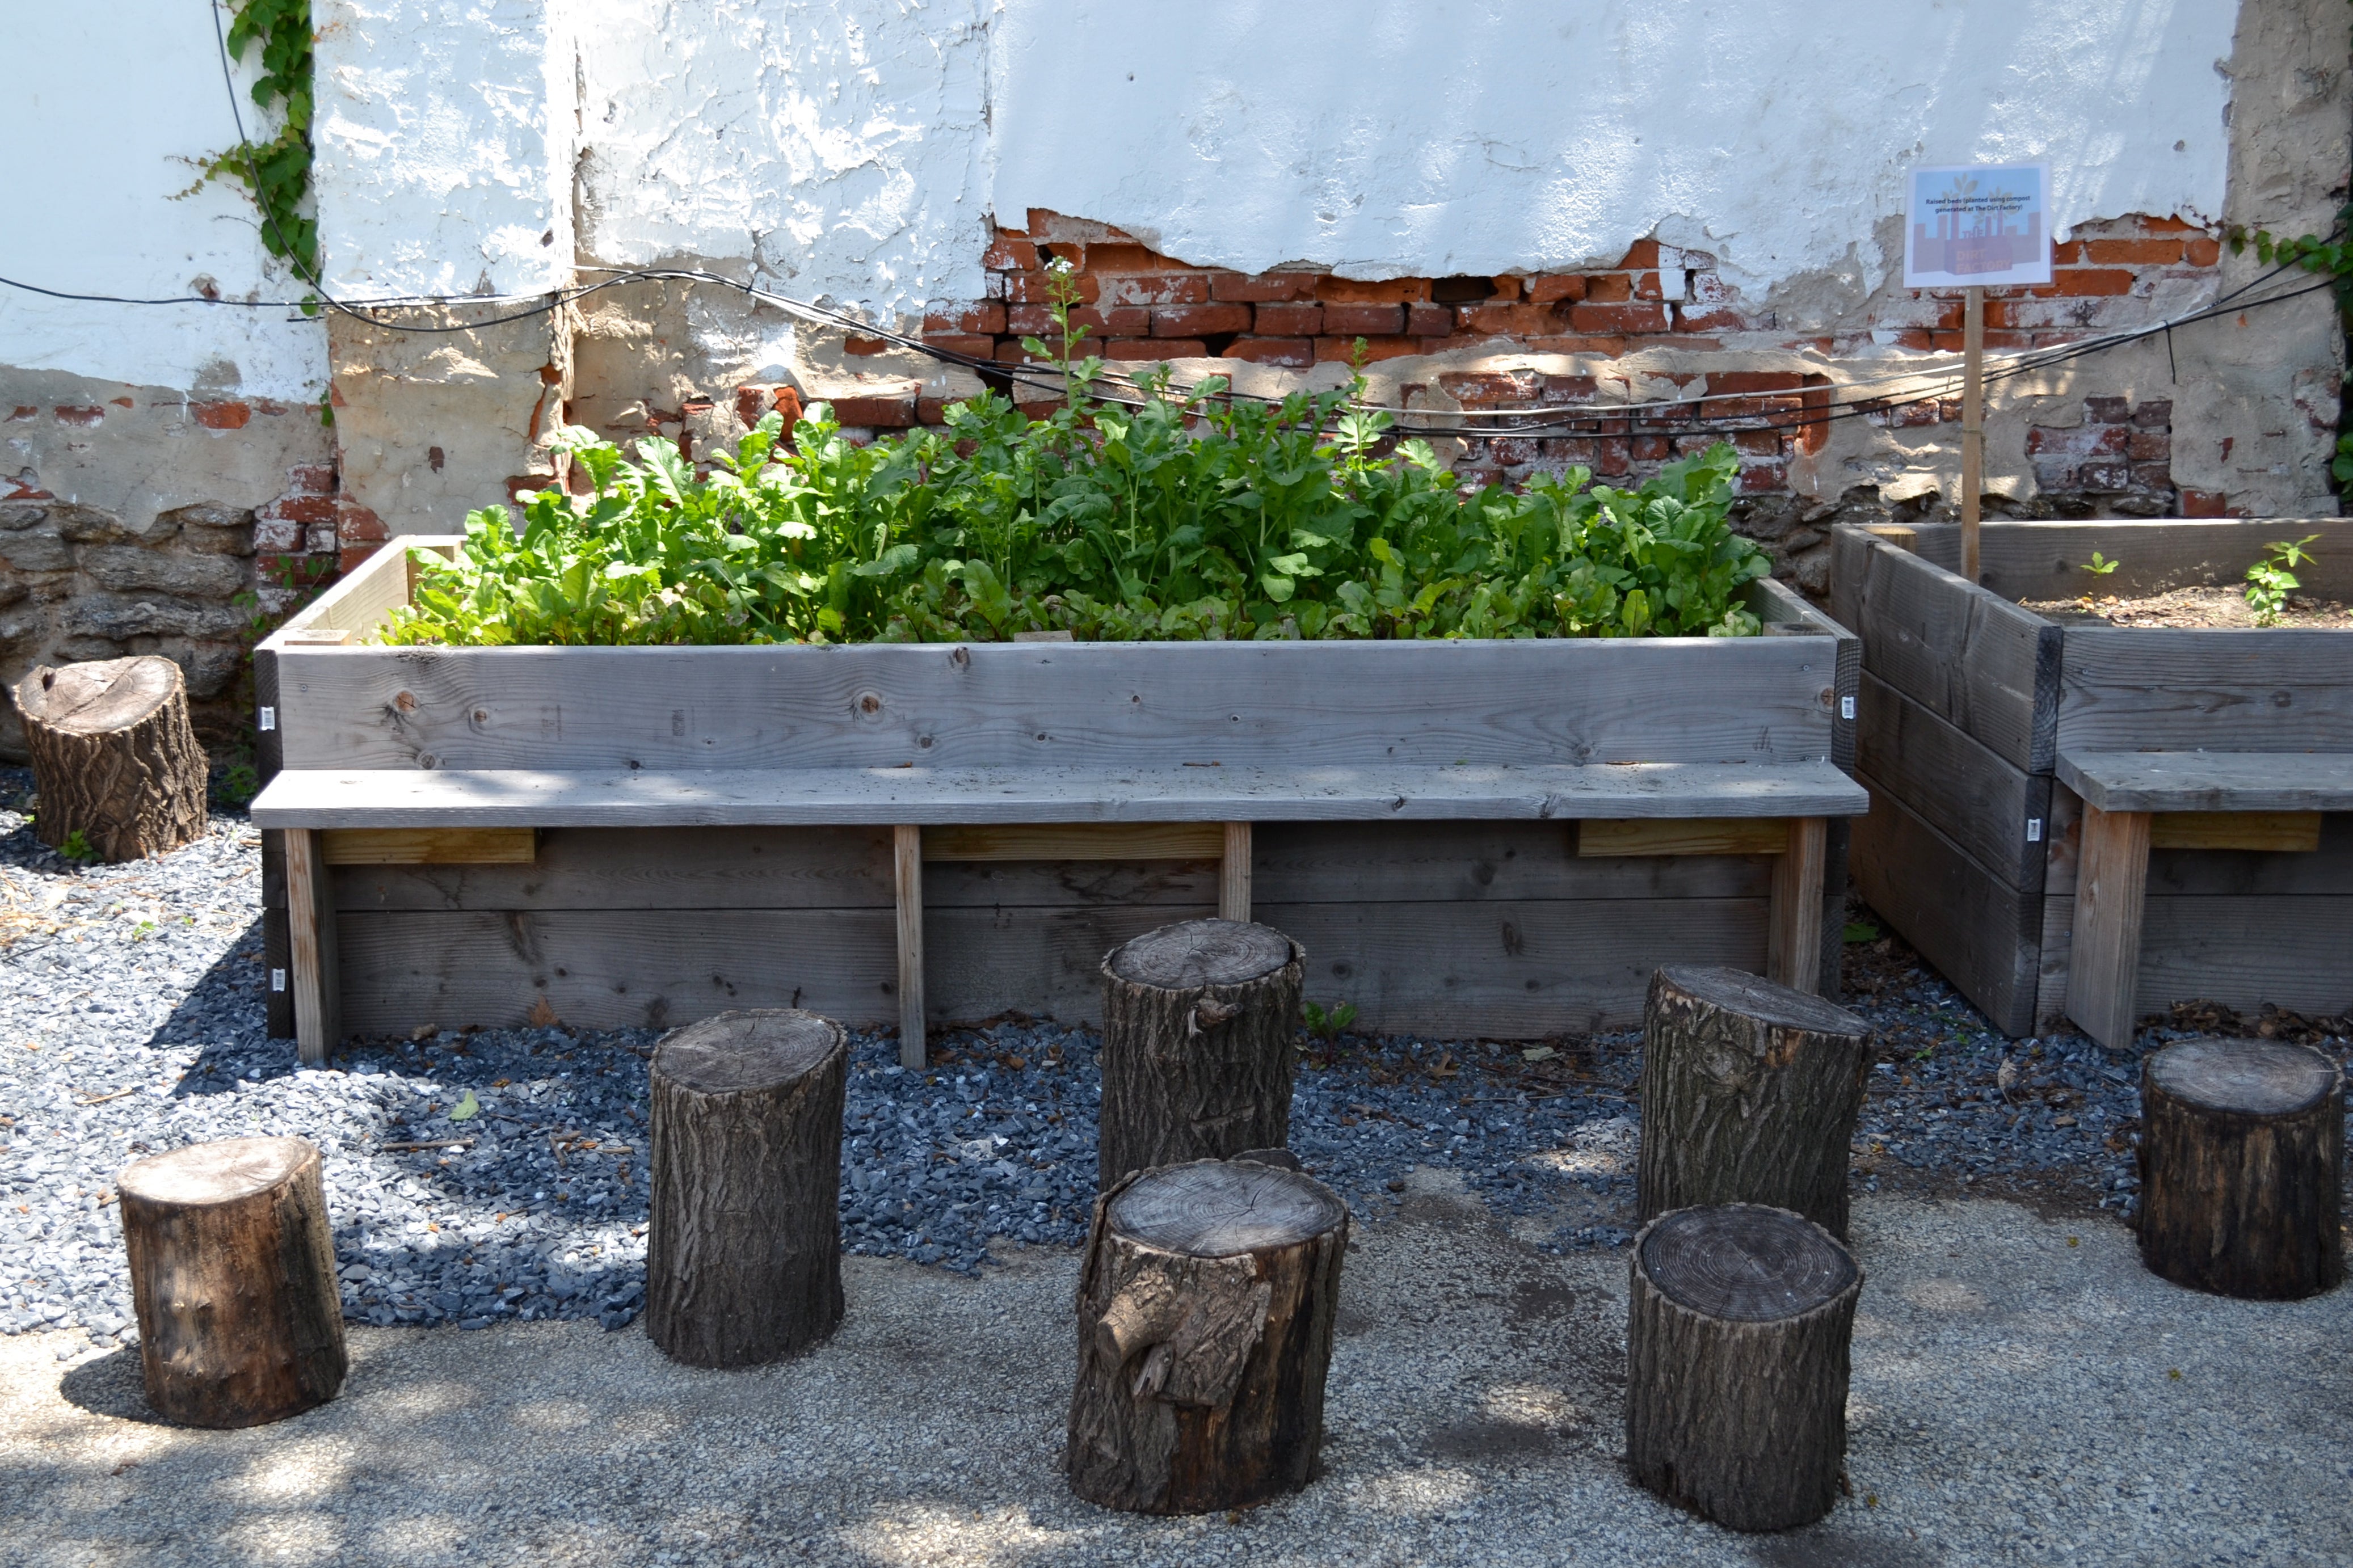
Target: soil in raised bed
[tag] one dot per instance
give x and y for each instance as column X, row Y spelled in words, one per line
column 2205, row 604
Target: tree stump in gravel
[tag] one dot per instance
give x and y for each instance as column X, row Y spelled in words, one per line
column 743, row 1225
column 1737, row 1326
column 1205, row 1308
column 2242, row 1159
column 233, row 1274
column 1199, row 1024
column 114, row 756
column 1750, row 1093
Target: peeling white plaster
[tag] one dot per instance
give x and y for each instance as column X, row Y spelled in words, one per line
column 836, row 146
column 105, row 114
column 1397, row 137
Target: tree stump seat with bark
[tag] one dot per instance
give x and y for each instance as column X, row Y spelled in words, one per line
column 743, row 1225
column 1200, row 1021
column 1206, row 1310
column 1750, row 1093
column 114, row 756
column 233, row 1278
column 1739, row 1322
column 2241, row 1168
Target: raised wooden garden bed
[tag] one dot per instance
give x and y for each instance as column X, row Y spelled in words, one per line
column 2093, row 822
column 1499, row 838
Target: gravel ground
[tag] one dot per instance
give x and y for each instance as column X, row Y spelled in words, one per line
column 131, row 1002
column 2023, row 1393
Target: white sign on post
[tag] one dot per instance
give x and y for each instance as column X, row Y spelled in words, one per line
column 1979, row 227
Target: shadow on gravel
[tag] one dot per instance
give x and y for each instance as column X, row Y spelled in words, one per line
column 1800, row 1550
column 111, row 1386
column 225, row 1015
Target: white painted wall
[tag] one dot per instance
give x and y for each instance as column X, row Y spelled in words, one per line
column 106, row 110
column 444, row 131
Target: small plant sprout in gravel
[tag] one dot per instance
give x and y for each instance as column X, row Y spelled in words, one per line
column 479, row 1176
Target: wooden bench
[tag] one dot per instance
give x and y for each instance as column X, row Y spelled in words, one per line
column 1046, row 752
column 2133, row 801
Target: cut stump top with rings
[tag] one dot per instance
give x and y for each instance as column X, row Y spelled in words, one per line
column 1223, row 1208
column 753, row 1049
column 1754, row 996
column 218, row 1173
column 100, row 696
column 2248, row 1077
column 1744, row 1262
column 1191, row 954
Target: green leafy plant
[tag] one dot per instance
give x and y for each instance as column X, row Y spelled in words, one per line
column 1180, row 516
column 1324, row 1026
column 78, row 848
column 2340, row 467
column 2271, row 580
column 276, row 173
column 2099, row 565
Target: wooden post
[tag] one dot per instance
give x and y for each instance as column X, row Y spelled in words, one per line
column 1793, row 938
column 1206, row 1310
column 114, row 756
column 2111, row 882
column 1972, row 426
column 907, row 866
column 1234, row 874
column 2241, row 1164
column 1750, row 1093
column 744, row 1222
column 1199, row 1026
column 232, row 1276
column 1738, row 1328
column 317, row 978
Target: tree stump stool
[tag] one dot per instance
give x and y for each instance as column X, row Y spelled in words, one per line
column 114, row 756
column 2241, row 1166
column 1205, row 1328
column 1199, row 1024
column 744, row 1222
column 1737, row 1326
column 232, row 1276
column 1750, row 1093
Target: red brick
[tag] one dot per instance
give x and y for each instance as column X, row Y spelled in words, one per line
column 1010, row 253
column 1280, row 320
column 2154, row 414
column 2202, row 252
column 225, row 416
column 1762, row 479
column 1262, row 288
column 123, row 402
column 1652, row 448
column 1156, row 347
column 2205, row 503
column 2077, row 282
column 1347, row 319
column 1201, row 321
column 1646, row 286
column 351, row 560
column 23, row 411
column 1491, row 388
column 1386, row 291
column 1298, row 353
column 299, row 509
column 1423, row 320
column 865, row 348
column 1556, row 286
column 1643, row 316
column 1038, row 288
column 931, row 411
column 1508, row 286
column 972, row 345
column 356, row 524
column 1156, row 288
column 2108, row 410
column 1757, row 443
column 1118, row 258
column 1713, row 320
column 986, row 316
column 2133, row 252
column 2067, row 253
column 69, row 415
column 1815, row 433
column 1644, row 253
column 1010, row 351
column 270, row 534
column 2169, row 226
column 1609, row 288
column 876, row 410
column 1328, row 349
column 312, row 479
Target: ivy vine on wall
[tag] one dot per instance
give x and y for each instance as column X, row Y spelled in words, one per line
column 277, row 173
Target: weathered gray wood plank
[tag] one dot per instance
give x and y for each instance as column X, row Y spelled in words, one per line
column 359, row 601
column 2210, row 780
column 2045, row 560
column 1555, row 701
column 1783, row 608
column 1515, row 971
column 2241, row 951
column 1974, row 659
column 1983, row 804
column 832, row 796
column 2286, row 690
column 1980, row 932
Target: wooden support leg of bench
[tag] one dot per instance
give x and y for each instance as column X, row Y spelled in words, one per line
column 907, row 863
column 1793, row 945
column 1234, row 874
column 316, row 981
column 2104, row 966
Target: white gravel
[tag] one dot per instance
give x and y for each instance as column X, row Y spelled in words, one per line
column 2023, row 1393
